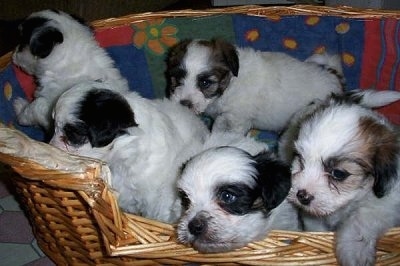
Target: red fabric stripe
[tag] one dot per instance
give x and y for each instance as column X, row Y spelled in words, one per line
column 390, row 54
column 371, row 53
column 26, row 81
column 114, row 36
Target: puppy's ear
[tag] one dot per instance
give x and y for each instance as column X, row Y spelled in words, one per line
column 274, row 179
column 383, row 144
column 43, row 42
column 107, row 116
column 176, row 53
column 385, row 161
column 229, row 55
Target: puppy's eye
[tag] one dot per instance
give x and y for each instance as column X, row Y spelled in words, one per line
column 227, row 197
column 339, row 175
column 204, row 84
column 185, row 201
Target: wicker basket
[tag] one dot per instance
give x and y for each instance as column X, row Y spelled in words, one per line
column 76, row 219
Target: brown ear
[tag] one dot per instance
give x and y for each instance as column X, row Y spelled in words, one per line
column 176, row 53
column 384, row 148
column 229, row 55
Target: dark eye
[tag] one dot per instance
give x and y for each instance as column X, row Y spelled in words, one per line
column 227, row 197
column 185, row 201
column 204, row 84
column 339, row 175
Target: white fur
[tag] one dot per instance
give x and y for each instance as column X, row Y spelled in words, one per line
column 78, row 58
column 268, row 90
column 335, row 137
column 226, row 163
column 144, row 162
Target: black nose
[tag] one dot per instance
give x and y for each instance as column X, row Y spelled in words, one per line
column 304, row 197
column 186, row 103
column 197, row 226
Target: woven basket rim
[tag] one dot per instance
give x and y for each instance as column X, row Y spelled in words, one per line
column 123, row 231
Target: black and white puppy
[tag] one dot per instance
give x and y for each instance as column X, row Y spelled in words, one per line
column 345, row 173
column 143, row 141
column 231, row 197
column 60, row 51
column 242, row 88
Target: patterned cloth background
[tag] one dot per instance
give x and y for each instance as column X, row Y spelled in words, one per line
column 369, row 48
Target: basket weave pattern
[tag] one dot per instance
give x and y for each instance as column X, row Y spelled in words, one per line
column 76, row 218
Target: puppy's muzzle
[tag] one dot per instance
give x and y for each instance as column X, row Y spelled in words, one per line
column 197, row 226
column 304, row 197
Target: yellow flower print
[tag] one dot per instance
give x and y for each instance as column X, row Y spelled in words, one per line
column 8, row 91
column 154, row 35
column 342, row 28
column 252, row 35
column 290, row 43
column 348, row 59
column 312, row 20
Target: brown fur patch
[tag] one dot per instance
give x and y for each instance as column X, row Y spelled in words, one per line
column 380, row 146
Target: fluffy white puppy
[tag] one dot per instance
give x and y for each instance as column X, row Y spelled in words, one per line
column 242, row 88
column 231, row 197
column 345, row 174
column 143, row 141
column 59, row 51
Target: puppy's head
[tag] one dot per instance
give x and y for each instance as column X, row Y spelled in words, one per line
column 343, row 152
column 227, row 197
column 199, row 71
column 90, row 116
column 40, row 35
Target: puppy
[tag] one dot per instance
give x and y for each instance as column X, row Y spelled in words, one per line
column 143, row 141
column 231, row 198
column 60, row 51
column 369, row 98
column 345, row 174
column 241, row 88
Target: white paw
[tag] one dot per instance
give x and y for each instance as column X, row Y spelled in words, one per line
column 19, row 105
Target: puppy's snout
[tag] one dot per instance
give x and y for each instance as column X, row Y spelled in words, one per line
column 197, row 226
column 304, row 197
column 186, row 103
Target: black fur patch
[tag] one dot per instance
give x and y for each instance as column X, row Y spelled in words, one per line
column 40, row 38
column 105, row 116
column 237, row 198
column 274, row 179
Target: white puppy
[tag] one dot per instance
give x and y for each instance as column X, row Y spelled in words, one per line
column 345, row 173
column 143, row 141
column 59, row 51
column 242, row 88
column 231, row 197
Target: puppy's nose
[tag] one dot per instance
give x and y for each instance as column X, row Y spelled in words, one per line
column 186, row 103
column 304, row 197
column 197, row 226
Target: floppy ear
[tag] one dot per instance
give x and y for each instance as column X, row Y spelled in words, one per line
column 107, row 116
column 385, row 161
column 43, row 42
column 273, row 178
column 229, row 55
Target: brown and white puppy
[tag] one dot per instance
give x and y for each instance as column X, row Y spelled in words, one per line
column 345, row 175
column 242, row 88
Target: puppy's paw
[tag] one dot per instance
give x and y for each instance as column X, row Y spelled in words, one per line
column 19, row 105
column 355, row 253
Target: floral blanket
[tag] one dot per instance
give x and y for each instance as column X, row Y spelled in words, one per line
column 370, row 51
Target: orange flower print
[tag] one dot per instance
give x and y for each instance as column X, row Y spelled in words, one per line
column 252, row 35
column 154, row 35
column 348, row 59
column 312, row 20
column 290, row 43
column 7, row 91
